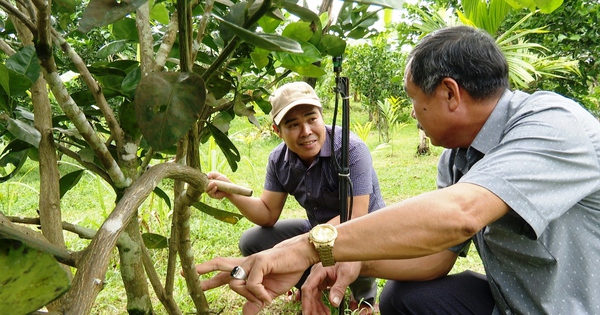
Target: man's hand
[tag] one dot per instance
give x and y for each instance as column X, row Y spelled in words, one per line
column 212, row 190
column 270, row 273
column 224, row 265
column 335, row 279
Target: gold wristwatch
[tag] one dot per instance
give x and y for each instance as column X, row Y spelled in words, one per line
column 323, row 236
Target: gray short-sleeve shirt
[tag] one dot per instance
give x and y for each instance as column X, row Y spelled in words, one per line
column 316, row 188
column 540, row 154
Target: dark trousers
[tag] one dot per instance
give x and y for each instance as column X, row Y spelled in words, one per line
column 259, row 238
column 461, row 294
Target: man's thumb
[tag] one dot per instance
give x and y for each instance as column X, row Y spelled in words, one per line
column 336, row 294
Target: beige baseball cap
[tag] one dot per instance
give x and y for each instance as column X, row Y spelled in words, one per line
column 289, row 95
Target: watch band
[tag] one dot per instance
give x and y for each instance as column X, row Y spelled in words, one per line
column 326, row 255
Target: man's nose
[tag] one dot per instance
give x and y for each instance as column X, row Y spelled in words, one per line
column 306, row 129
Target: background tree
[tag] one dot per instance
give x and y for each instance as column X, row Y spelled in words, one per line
column 571, row 32
column 375, row 71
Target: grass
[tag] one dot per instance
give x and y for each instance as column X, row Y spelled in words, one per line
column 401, row 173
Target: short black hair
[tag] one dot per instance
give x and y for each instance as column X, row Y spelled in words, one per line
column 466, row 54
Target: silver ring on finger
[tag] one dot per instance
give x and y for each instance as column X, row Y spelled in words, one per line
column 238, row 273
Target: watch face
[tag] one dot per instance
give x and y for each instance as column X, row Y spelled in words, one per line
column 324, row 233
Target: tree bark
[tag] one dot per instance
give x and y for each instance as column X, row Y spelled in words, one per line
column 90, row 275
column 132, row 270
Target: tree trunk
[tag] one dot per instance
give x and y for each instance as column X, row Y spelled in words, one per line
column 132, row 270
column 423, row 148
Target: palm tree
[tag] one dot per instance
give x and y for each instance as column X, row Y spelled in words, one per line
column 527, row 61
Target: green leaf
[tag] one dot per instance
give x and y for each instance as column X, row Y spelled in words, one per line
column 69, row 181
column 160, row 13
column 264, row 105
column 24, row 131
column 131, row 81
column 259, row 59
column 111, row 48
column 221, row 215
column 155, row 241
column 162, row 195
column 269, row 42
column 19, row 83
column 311, row 54
column 303, row 13
column 227, row 147
column 298, row 31
column 30, row 279
column 167, row 105
column 4, row 78
column 125, row 29
column 548, row 6
column 268, row 24
column 104, row 12
column 25, row 62
column 310, row 70
column 332, row 45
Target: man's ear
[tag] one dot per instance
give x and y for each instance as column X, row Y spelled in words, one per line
column 452, row 91
column 276, row 130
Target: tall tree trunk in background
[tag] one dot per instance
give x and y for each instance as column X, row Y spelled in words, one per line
column 49, row 198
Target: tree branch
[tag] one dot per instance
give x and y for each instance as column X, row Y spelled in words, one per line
column 96, row 90
column 35, row 240
column 90, row 275
column 167, row 43
column 142, row 23
column 78, row 118
column 6, row 48
column 208, row 6
column 18, row 15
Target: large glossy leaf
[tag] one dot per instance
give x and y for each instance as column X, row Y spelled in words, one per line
column 25, row 62
column 111, row 48
column 125, row 29
column 166, row 106
column 545, row 6
column 299, row 31
column 265, row 41
column 308, row 70
column 221, row 215
column 155, row 241
column 69, row 181
column 160, row 13
column 227, row 147
column 29, row 278
column 104, row 12
column 332, row 45
column 311, row 54
column 23, row 131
